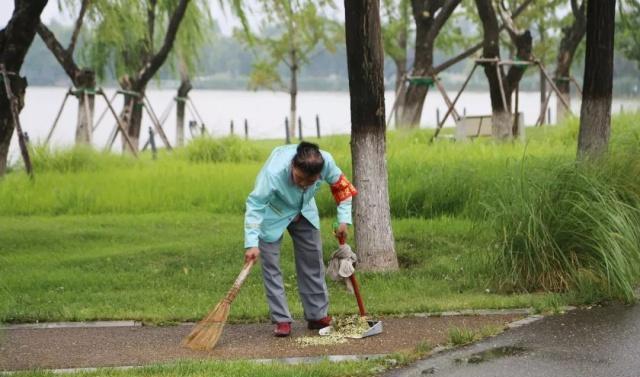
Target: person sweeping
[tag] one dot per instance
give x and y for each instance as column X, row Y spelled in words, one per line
column 283, row 198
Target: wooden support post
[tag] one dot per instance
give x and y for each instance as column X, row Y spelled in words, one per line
column 119, row 125
column 502, row 95
column 104, row 112
column 156, row 123
column 455, row 100
column 394, row 108
column 300, row 128
column 231, row 128
column 318, row 125
column 516, row 127
column 152, row 142
column 55, row 122
column 287, row 137
column 437, row 115
column 554, row 87
column 543, row 110
column 445, row 96
column 246, row 129
column 15, row 113
column 548, row 115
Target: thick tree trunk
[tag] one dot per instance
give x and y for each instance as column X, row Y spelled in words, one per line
column 373, row 233
column 571, row 37
column 429, row 17
column 85, row 81
column 183, row 92
column 15, row 40
column 18, row 87
column 595, row 114
column 132, row 118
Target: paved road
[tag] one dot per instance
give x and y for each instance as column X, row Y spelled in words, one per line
column 601, row 341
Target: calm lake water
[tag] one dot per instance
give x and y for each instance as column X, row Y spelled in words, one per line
column 264, row 112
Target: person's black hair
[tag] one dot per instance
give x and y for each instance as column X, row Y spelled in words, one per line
column 308, row 158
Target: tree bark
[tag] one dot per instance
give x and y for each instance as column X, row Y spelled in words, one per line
column 571, row 37
column 429, row 17
column 595, row 114
column 183, row 92
column 501, row 119
column 373, row 233
column 15, row 40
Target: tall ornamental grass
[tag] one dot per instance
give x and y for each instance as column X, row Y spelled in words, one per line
column 578, row 229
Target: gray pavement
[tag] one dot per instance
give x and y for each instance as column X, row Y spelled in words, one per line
column 600, row 341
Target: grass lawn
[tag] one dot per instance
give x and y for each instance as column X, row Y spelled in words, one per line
column 167, row 267
column 235, row 369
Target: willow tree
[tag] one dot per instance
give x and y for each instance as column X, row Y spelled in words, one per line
column 83, row 78
column 289, row 34
column 365, row 61
column 15, row 40
column 185, row 57
column 572, row 35
column 628, row 29
column 595, row 113
column 133, row 39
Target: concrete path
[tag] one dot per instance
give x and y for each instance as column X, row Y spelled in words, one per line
column 52, row 347
column 601, row 341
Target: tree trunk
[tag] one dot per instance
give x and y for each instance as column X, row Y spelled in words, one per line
column 183, row 92
column 373, row 233
column 15, row 40
column 132, row 119
column 429, row 17
column 571, row 37
column 595, row 114
column 501, row 118
column 85, row 81
column 293, row 93
column 401, row 71
column 18, row 87
column 151, row 65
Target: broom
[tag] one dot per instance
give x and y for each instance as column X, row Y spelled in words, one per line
column 206, row 333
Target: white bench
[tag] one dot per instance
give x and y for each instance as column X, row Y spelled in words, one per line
column 473, row 126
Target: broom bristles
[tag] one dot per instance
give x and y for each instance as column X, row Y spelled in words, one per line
column 206, row 333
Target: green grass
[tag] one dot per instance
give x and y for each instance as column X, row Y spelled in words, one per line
column 173, row 266
column 99, row 236
column 234, row 369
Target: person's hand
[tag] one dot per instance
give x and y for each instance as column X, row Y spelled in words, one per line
column 341, row 232
column 251, row 253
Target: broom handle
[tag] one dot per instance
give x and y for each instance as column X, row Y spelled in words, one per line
column 354, row 283
column 233, row 292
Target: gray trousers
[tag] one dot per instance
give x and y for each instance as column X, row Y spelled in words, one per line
column 312, row 287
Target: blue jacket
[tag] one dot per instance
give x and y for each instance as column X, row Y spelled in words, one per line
column 276, row 200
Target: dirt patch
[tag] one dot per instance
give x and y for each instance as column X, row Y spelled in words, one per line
column 118, row 346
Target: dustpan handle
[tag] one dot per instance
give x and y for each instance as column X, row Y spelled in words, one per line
column 233, row 292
